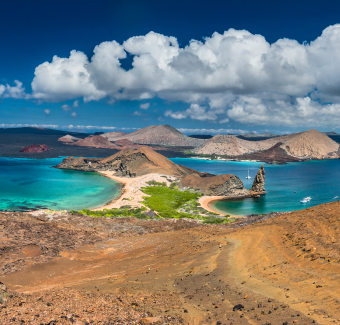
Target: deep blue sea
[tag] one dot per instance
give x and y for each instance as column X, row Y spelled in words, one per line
column 33, row 184
column 319, row 179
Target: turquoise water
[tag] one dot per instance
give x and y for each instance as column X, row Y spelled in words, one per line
column 28, row 184
column 318, row 179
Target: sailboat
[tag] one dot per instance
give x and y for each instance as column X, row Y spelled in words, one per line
column 248, row 175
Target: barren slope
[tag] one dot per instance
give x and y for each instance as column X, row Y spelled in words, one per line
column 128, row 162
column 158, row 135
column 310, row 144
column 283, row 270
column 305, row 145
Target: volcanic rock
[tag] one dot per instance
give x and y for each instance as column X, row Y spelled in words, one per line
column 216, row 185
column 35, row 148
column 164, row 135
column 259, row 180
column 96, row 141
column 130, row 163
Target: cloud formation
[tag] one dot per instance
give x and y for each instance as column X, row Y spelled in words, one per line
column 144, row 106
column 67, row 108
column 17, row 91
column 47, row 111
column 231, row 76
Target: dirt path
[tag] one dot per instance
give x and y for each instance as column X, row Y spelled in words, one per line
column 284, row 269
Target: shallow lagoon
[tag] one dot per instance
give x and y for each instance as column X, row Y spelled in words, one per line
column 319, row 179
column 28, row 184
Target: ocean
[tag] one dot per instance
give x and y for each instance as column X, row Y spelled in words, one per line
column 29, row 184
column 286, row 185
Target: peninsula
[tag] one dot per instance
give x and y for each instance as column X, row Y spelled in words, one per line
column 137, row 168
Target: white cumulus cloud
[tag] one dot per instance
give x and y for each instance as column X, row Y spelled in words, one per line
column 17, row 91
column 235, row 75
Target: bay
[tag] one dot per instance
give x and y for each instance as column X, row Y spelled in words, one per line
column 286, row 184
column 28, row 184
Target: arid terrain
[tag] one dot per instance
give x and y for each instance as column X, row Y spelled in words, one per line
column 62, row 269
column 310, row 144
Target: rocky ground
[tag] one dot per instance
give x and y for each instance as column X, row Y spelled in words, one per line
column 70, row 269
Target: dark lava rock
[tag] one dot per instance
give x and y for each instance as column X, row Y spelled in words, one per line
column 36, row 148
column 238, row 307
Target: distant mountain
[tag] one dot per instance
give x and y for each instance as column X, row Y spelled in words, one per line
column 258, row 135
column 96, row 141
column 330, row 133
column 113, row 136
column 68, row 138
column 201, row 136
column 164, row 135
column 304, row 145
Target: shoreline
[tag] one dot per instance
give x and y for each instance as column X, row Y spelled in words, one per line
column 130, row 189
column 207, row 201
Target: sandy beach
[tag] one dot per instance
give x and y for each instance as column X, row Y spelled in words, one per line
column 206, row 202
column 131, row 193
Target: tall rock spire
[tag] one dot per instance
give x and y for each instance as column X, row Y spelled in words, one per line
column 259, row 180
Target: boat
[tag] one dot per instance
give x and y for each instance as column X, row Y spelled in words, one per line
column 248, row 175
column 306, row 199
column 335, row 197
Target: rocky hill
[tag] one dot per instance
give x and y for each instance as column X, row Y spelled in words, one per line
column 68, row 138
column 130, row 163
column 216, row 185
column 96, row 141
column 231, row 145
column 310, row 144
column 164, row 135
column 35, row 148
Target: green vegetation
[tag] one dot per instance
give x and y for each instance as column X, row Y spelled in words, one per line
column 167, row 202
column 124, row 211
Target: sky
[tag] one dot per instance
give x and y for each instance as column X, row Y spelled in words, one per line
column 200, row 66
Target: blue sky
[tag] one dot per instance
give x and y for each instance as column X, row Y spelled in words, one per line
column 254, row 65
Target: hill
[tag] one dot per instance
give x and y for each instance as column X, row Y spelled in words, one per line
column 129, row 162
column 310, row 144
column 112, row 136
column 96, row 141
column 164, row 135
column 68, row 138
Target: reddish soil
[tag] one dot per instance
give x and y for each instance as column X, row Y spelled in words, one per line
column 36, row 148
column 282, row 270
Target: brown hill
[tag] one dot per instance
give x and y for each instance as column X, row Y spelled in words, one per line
column 310, row 144
column 129, row 162
column 35, row 148
column 164, row 135
column 96, row 141
column 216, row 185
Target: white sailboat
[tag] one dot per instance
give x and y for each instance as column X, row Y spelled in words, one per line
column 248, row 175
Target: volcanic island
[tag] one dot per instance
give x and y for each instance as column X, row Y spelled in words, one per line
column 159, row 255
